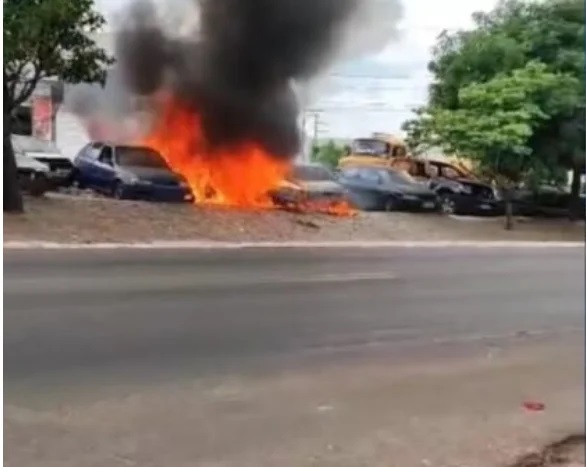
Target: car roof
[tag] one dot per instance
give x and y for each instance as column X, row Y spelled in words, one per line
column 309, row 164
column 372, row 167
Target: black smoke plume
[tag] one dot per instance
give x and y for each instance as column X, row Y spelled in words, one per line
column 237, row 68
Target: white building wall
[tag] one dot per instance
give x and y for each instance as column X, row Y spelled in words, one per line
column 70, row 133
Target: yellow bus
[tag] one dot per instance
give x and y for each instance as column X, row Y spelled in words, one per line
column 376, row 150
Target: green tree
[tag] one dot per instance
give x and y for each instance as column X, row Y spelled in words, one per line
column 44, row 39
column 327, row 154
column 504, row 40
column 495, row 120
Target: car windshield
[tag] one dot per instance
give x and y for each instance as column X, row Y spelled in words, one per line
column 311, row 173
column 31, row 144
column 370, row 147
column 398, row 176
column 127, row 156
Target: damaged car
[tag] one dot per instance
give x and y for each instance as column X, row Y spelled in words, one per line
column 60, row 167
column 310, row 187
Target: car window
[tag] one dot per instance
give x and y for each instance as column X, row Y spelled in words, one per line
column 449, row 172
column 91, row 151
column 136, row 156
column 106, row 155
column 417, row 169
column 399, row 151
column 370, row 147
column 398, row 176
column 31, row 144
column 372, row 176
column 432, row 170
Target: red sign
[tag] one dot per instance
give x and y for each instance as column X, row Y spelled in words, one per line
column 42, row 117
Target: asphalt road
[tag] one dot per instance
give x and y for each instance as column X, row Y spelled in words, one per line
column 92, row 310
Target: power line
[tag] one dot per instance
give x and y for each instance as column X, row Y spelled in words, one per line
column 358, row 108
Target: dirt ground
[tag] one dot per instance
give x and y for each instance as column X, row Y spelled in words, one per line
column 451, row 411
column 82, row 220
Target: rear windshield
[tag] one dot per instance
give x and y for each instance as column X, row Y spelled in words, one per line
column 311, row 173
column 30, row 144
column 128, row 156
column 370, row 147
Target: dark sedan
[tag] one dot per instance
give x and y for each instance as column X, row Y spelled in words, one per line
column 129, row 172
column 381, row 189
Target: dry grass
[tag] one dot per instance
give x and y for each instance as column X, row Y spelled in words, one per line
column 71, row 219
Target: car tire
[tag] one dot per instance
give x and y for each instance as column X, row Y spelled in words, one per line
column 447, row 204
column 390, row 204
column 39, row 185
column 118, row 191
column 74, row 180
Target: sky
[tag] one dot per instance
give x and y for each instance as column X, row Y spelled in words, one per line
column 376, row 92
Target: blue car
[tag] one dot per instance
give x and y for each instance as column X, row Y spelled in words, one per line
column 129, row 172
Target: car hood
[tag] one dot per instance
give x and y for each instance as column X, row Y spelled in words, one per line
column 154, row 175
column 26, row 162
column 46, row 155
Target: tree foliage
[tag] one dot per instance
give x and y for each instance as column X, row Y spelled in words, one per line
column 42, row 39
column 510, row 92
column 50, row 38
column 327, row 154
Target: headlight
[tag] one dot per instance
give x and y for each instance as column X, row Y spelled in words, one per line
column 410, row 197
column 134, row 180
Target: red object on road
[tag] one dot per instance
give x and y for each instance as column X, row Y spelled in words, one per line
column 534, row 406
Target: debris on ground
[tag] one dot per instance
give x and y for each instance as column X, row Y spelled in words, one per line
column 88, row 219
column 534, row 406
column 568, row 452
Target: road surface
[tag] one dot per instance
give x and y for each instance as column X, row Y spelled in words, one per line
column 88, row 330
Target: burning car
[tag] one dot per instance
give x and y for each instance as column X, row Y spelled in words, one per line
column 129, row 172
column 310, row 187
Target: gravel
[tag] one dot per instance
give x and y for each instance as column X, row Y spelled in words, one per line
column 65, row 218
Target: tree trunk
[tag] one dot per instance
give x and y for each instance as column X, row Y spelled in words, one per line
column 508, row 209
column 12, row 195
column 575, row 204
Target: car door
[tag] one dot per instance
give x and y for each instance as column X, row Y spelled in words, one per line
column 84, row 164
column 103, row 169
column 364, row 186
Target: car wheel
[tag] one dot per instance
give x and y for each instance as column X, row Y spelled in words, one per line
column 390, row 204
column 447, row 204
column 118, row 191
column 74, row 180
column 39, row 184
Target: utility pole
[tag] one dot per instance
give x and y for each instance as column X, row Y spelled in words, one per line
column 304, row 154
column 317, row 129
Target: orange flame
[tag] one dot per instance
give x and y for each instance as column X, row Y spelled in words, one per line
column 241, row 176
